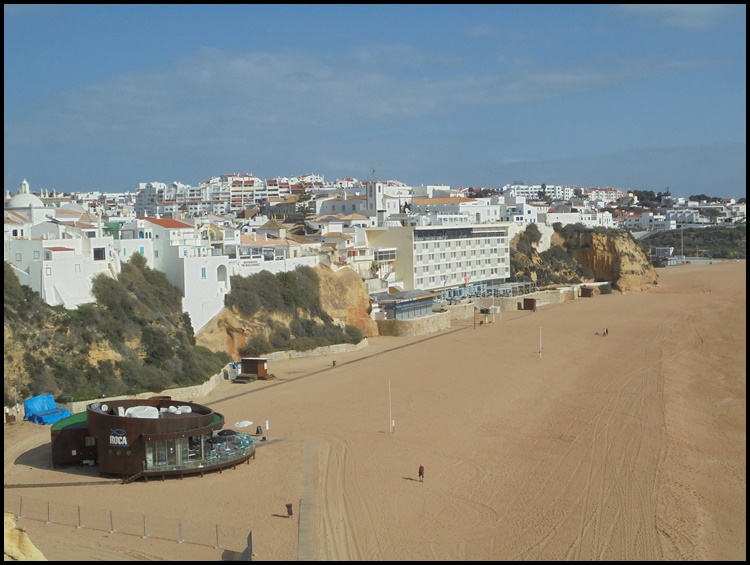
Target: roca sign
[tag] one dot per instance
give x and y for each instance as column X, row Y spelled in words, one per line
column 117, row 438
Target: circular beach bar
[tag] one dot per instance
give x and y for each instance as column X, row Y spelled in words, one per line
column 157, row 437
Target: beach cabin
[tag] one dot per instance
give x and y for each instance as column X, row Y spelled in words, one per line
column 252, row 369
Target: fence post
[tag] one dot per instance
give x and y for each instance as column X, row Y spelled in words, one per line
column 145, row 535
column 79, row 518
column 179, row 538
column 49, row 520
column 217, row 546
column 20, row 509
column 111, row 523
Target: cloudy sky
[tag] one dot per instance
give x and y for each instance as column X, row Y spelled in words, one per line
column 641, row 97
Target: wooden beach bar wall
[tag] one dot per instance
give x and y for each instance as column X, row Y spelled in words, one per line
column 124, row 445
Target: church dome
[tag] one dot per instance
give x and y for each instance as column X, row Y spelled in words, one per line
column 24, row 200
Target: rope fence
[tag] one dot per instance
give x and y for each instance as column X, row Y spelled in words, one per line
column 120, row 521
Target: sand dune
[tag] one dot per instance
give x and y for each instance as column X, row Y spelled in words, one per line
column 630, row 446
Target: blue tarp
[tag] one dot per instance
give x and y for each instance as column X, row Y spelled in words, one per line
column 41, row 409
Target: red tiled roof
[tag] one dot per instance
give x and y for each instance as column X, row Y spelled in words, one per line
column 168, row 223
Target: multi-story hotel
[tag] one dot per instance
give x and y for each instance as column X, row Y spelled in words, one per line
column 456, row 259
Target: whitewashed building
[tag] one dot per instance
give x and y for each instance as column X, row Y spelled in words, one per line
column 455, row 259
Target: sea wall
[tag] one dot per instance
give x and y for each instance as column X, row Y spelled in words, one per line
column 191, row 393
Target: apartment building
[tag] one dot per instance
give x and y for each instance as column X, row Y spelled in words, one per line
column 190, row 263
column 459, row 260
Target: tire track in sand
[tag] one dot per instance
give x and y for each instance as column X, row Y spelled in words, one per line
column 342, row 507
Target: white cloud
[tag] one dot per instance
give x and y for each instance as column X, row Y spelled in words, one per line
column 214, row 94
column 684, row 16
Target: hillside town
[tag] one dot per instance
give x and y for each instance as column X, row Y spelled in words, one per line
column 428, row 239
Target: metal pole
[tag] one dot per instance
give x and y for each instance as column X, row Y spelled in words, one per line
column 250, row 545
column 20, row 509
column 145, row 535
column 111, row 523
column 49, row 520
column 682, row 242
column 390, row 411
column 79, row 518
column 217, row 546
column 179, row 536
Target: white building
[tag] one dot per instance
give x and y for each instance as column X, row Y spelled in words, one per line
column 174, row 248
column 534, row 191
column 58, row 259
column 451, row 258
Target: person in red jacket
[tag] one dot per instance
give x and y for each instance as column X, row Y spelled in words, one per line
column 421, row 473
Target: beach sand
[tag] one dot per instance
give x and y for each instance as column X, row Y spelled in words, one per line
column 625, row 447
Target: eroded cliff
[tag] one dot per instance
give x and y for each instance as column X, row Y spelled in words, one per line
column 618, row 259
column 343, row 297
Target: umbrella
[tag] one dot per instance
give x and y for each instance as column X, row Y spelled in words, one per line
column 226, row 433
column 243, row 424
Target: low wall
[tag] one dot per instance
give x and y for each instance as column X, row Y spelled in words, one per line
column 190, row 393
column 465, row 310
column 418, row 326
column 327, row 350
column 184, row 394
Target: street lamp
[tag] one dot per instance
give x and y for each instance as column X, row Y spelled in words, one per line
column 682, row 242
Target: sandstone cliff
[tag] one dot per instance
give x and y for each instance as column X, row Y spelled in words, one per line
column 18, row 546
column 618, row 259
column 343, row 296
column 587, row 256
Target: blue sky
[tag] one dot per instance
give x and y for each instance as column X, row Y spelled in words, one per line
column 641, row 97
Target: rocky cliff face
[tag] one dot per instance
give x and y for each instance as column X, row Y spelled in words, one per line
column 343, row 296
column 618, row 259
column 18, row 546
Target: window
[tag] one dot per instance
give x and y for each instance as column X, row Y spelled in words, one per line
column 203, row 273
column 18, row 256
column 77, row 267
column 99, row 254
column 48, row 271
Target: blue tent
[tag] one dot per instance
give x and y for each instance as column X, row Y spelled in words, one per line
column 41, row 409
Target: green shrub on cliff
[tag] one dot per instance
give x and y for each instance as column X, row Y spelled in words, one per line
column 136, row 324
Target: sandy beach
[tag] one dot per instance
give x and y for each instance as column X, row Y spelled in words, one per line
column 625, row 447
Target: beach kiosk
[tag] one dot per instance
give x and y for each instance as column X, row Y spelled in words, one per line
column 252, row 369
column 134, row 438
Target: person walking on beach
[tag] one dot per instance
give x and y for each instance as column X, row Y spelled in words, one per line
column 421, row 473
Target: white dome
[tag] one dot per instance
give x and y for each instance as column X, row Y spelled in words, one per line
column 24, row 200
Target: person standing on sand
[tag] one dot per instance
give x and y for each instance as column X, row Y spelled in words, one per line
column 421, row 473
